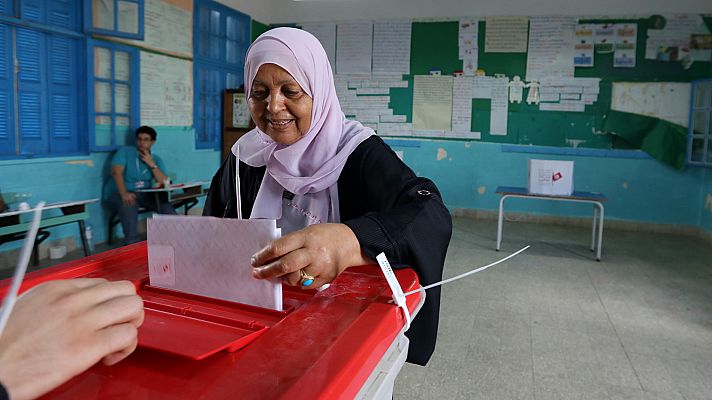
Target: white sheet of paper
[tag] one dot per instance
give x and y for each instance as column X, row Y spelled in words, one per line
column 462, row 103
column 391, row 47
column 354, row 47
column 500, row 107
column 211, row 257
column 326, row 33
column 432, row 102
column 506, row 34
column 551, row 47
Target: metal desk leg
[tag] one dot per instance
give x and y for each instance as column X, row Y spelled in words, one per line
column 83, row 235
column 500, row 220
column 593, row 229
column 600, row 232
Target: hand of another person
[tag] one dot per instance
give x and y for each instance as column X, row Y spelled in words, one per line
column 147, row 158
column 61, row 328
column 129, row 198
column 322, row 251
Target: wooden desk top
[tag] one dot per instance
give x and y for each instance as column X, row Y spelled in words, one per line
column 177, row 186
column 60, row 204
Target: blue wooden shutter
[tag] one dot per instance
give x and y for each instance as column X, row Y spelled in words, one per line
column 33, row 10
column 6, row 7
column 217, row 84
column 63, row 14
column 203, row 30
column 32, row 96
column 202, row 106
column 63, row 87
column 7, row 112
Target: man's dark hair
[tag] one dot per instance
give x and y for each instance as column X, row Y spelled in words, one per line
column 147, row 130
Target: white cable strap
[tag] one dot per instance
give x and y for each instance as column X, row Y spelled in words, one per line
column 399, row 296
column 9, row 303
column 474, row 271
column 238, row 200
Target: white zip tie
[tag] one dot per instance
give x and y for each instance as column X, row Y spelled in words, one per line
column 474, row 271
column 399, row 296
column 11, row 296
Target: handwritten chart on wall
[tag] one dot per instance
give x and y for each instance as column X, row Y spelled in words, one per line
column 168, row 27
column 664, row 100
column 166, row 90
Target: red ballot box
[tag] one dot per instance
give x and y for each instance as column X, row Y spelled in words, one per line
column 344, row 342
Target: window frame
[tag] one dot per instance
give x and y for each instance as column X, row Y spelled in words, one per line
column 706, row 136
column 134, row 83
column 227, row 72
column 90, row 28
column 55, row 144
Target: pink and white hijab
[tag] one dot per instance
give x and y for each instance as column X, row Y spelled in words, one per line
column 311, row 166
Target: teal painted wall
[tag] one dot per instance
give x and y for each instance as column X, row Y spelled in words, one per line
column 468, row 174
column 59, row 179
column 706, row 202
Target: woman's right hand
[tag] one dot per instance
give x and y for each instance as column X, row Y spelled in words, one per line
column 128, row 198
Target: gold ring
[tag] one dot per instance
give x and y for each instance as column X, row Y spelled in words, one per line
column 306, row 278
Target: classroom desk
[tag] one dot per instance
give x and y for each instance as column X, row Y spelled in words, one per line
column 597, row 199
column 12, row 228
column 330, row 346
column 180, row 194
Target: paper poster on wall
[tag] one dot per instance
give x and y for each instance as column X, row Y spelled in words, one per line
column 354, row 47
column 468, row 45
column 506, row 34
column 168, row 27
column 551, row 47
column 673, row 41
column 604, row 38
column 432, row 102
column 568, row 94
column 482, row 87
column 240, row 112
column 583, row 45
column 500, row 106
column 462, row 103
column 166, row 90
column 624, row 45
column 664, row 100
column 391, row 47
column 326, row 33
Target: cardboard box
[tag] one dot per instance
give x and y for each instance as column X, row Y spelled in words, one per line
column 551, row 177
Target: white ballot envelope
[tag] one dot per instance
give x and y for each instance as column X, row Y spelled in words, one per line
column 210, row 257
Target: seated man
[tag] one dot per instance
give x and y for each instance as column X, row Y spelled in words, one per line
column 134, row 168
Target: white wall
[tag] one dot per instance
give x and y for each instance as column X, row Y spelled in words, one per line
column 260, row 10
column 279, row 11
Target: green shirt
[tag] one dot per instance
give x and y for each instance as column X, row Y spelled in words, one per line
column 137, row 174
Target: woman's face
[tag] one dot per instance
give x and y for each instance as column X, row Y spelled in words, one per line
column 279, row 106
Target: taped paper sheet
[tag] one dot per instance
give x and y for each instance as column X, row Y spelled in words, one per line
column 211, row 257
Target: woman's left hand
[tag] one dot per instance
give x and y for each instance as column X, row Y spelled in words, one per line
column 323, row 251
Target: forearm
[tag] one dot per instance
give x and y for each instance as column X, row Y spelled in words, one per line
column 158, row 175
column 120, row 184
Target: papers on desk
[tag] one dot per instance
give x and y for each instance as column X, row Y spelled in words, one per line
column 211, row 257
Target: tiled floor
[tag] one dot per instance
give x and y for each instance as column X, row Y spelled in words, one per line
column 555, row 324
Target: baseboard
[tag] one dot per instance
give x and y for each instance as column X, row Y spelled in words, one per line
column 614, row 224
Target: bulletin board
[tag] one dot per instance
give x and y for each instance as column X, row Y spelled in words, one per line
column 434, row 45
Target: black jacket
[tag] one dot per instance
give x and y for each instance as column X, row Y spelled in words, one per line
column 388, row 208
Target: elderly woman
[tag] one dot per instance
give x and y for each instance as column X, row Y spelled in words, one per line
column 339, row 193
